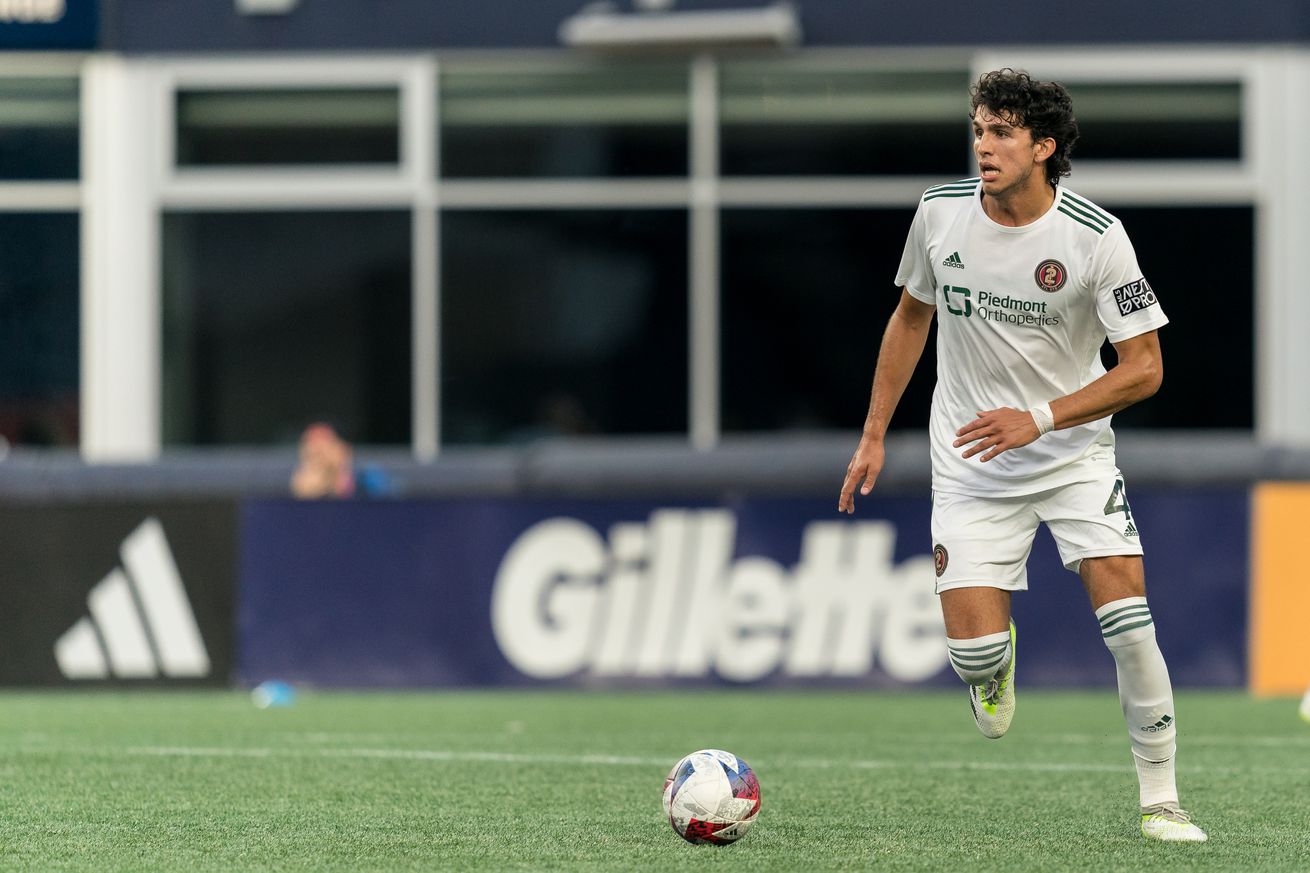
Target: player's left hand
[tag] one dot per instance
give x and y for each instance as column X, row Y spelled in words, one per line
column 998, row 430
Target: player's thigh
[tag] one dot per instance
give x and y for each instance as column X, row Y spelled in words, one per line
column 1091, row 520
column 982, row 542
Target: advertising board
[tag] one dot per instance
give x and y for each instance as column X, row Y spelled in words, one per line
column 49, row 24
column 630, row 593
column 127, row 592
column 1280, row 595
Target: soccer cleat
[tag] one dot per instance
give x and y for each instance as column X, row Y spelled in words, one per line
column 993, row 701
column 1171, row 824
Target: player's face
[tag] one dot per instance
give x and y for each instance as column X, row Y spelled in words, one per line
column 1006, row 153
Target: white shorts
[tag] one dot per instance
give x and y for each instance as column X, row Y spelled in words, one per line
column 985, row 541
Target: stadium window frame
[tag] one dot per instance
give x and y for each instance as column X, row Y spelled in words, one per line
column 59, row 196
column 1275, row 136
column 45, row 195
column 1155, row 182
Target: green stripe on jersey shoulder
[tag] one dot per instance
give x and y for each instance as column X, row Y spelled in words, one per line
column 1087, row 205
column 1067, row 203
column 969, row 184
column 972, row 180
column 928, row 197
column 1078, row 218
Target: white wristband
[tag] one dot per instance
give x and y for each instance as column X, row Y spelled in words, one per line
column 1043, row 418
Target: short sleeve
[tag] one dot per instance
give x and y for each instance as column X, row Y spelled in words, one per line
column 1125, row 301
column 915, row 273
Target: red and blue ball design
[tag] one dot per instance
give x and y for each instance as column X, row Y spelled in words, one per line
column 711, row 796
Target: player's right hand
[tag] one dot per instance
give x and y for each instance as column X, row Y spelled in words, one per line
column 864, row 466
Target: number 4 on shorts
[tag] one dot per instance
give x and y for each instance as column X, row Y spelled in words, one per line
column 1118, row 501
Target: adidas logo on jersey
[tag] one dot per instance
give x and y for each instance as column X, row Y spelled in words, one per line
column 1131, row 530
column 954, row 261
column 141, row 624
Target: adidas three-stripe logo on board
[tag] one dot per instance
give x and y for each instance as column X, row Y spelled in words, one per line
column 141, row 624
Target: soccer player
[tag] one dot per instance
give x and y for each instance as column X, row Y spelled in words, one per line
column 1027, row 280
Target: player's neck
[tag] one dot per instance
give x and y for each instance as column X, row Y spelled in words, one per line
column 1015, row 208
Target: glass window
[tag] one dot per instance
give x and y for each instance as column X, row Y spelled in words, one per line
column 563, row 322
column 272, row 126
column 275, row 320
column 813, row 120
column 39, row 317
column 1209, row 376
column 543, row 121
column 805, row 296
column 1157, row 120
column 39, row 128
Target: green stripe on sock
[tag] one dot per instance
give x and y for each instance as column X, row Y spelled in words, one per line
column 995, row 662
column 1120, row 611
column 1129, row 612
column 990, row 656
column 985, row 646
column 1111, row 625
column 1118, row 631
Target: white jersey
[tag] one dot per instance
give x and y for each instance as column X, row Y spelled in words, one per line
column 1022, row 313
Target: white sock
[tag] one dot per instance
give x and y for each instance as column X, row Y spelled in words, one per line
column 979, row 659
column 1155, row 782
column 1145, row 694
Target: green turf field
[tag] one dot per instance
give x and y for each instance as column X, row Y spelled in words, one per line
column 544, row 781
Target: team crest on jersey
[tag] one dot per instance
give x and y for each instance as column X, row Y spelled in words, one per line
column 939, row 559
column 1051, row 275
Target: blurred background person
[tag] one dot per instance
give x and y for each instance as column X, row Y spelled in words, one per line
column 326, row 466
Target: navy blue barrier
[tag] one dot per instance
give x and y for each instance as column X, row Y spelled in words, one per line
column 70, row 24
column 602, row 592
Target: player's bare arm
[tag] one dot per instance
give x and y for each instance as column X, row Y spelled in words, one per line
column 902, row 346
column 1135, row 377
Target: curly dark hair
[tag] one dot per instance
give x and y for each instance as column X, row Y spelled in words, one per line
column 1045, row 108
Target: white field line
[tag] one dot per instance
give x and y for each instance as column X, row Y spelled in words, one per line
column 393, row 754
column 1186, row 739
column 449, row 755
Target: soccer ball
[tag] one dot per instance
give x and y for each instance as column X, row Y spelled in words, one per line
column 711, row 796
